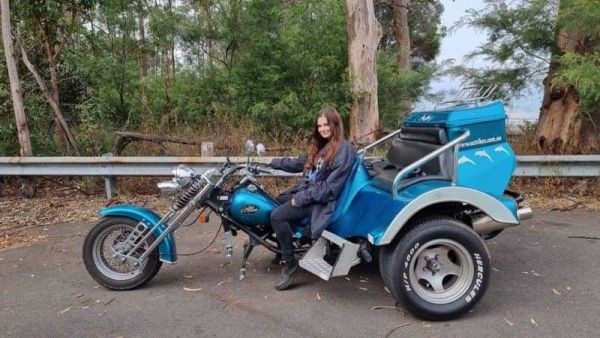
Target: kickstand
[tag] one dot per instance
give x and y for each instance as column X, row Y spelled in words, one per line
column 248, row 247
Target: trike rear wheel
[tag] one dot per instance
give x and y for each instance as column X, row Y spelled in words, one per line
column 438, row 270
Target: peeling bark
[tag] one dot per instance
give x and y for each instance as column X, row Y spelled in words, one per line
column 562, row 126
column 27, row 185
column 364, row 33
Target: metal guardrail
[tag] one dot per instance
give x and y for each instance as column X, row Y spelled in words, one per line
column 110, row 167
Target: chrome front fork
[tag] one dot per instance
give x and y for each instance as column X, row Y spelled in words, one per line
column 173, row 219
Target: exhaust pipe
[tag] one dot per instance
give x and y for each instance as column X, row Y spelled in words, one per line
column 524, row 213
column 485, row 224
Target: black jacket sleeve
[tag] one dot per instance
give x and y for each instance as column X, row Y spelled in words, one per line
column 289, row 164
column 332, row 186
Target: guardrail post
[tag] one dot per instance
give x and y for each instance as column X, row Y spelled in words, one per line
column 110, row 183
column 109, row 186
column 207, row 149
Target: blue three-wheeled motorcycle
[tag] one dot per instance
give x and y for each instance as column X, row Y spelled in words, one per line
column 423, row 211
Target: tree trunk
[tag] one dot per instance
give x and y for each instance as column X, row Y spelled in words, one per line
column 364, row 33
column 143, row 57
column 27, row 186
column 61, row 123
column 402, row 37
column 562, row 127
column 54, row 85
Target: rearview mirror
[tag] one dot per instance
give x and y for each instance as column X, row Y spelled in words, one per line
column 249, row 147
column 260, row 149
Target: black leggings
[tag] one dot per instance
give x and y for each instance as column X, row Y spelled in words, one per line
column 280, row 221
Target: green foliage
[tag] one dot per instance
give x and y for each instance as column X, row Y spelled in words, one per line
column 273, row 63
column 581, row 16
column 582, row 71
column 287, row 68
column 521, row 39
column 395, row 87
column 522, row 42
column 424, row 21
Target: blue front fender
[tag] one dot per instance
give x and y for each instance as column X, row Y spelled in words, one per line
column 166, row 248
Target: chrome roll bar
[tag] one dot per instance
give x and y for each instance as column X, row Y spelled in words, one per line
column 410, row 168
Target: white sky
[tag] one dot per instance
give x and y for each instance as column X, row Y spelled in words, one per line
column 463, row 40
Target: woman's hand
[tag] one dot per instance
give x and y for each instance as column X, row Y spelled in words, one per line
column 293, row 202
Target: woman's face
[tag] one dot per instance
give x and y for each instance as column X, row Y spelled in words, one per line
column 324, row 128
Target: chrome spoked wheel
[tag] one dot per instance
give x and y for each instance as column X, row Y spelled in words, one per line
column 441, row 271
column 108, row 247
column 103, row 251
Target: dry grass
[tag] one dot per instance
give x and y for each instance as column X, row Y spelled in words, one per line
column 559, row 193
column 21, row 218
column 523, row 142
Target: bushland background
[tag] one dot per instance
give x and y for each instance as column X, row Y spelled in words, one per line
column 228, row 70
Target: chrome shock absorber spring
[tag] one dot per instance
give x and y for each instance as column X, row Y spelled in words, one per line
column 183, row 199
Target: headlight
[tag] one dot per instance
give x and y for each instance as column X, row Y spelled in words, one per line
column 169, row 187
column 183, row 175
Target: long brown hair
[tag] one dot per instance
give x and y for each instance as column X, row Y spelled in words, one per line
column 318, row 142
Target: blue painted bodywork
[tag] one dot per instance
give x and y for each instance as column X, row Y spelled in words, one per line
column 243, row 198
column 486, row 163
column 167, row 247
column 243, row 201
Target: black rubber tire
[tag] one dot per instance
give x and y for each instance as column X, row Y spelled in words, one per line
column 150, row 270
column 395, row 273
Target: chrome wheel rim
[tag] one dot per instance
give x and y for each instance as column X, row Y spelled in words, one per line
column 441, row 271
column 107, row 246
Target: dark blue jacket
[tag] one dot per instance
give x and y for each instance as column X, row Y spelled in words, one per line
column 322, row 195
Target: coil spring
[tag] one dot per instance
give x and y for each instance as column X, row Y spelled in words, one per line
column 188, row 194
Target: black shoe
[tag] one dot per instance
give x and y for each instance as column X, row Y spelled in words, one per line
column 287, row 275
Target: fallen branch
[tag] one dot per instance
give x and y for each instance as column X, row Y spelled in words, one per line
column 127, row 137
column 396, row 328
column 583, row 237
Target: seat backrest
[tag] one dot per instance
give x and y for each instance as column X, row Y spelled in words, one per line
column 414, row 143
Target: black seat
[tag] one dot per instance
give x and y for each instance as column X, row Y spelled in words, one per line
column 412, row 144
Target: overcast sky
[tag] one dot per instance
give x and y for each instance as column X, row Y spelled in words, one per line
column 464, row 40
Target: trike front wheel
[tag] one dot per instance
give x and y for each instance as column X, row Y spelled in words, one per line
column 102, row 259
column 438, row 270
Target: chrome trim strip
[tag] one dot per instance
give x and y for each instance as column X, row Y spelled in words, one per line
column 380, row 141
column 488, row 204
column 428, row 157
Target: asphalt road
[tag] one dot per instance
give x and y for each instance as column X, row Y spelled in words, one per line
column 545, row 283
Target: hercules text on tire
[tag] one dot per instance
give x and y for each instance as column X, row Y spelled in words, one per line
column 439, row 269
column 101, row 255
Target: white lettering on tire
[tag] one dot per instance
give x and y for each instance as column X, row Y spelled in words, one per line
column 406, row 263
column 478, row 280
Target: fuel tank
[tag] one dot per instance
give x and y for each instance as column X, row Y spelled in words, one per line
column 251, row 205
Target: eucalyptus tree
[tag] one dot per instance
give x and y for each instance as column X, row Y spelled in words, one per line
column 556, row 42
column 47, row 28
column 27, row 187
